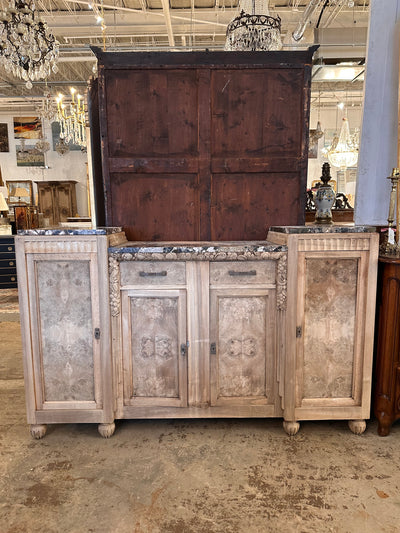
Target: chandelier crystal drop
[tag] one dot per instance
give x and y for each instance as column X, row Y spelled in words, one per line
column 72, row 119
column 343, row 152
column 254, row 29
column 28, row 49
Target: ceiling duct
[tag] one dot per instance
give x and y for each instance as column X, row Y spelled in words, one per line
column 307, row 14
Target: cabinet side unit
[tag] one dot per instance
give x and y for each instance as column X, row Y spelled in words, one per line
column 332, row 275
column 65, row 325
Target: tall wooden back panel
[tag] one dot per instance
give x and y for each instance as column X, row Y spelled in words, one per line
column 204, row 145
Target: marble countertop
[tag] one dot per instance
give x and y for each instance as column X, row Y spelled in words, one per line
column 70, row 231
column 240, row 250
column 323, row 229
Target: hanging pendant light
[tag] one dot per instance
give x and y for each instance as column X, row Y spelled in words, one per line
column 28, row 49
column 254, row 29
column 343, row 153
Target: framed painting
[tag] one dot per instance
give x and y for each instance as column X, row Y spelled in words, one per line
column 27, row 128
column 29, row 156
column 24, row 187
column 4, row 137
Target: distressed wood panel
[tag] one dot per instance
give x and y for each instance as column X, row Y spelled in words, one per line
column 65, row 309
column 155, row 273
column 329, row 327
column 245, row 205
column 257, row 113
column 174, row 124
column 156, row 207
column 159, row 107
column 243, row 273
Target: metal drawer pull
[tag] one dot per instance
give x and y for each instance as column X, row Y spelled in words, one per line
column 11, row 263
column 152, row 274
column 13, row 278
column 9, row 248
column 245, row 273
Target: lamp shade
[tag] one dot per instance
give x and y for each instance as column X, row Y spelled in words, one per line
column 4, row 191
column 3, row 203
column 19, row 191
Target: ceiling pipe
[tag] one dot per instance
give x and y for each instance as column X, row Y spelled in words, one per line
column 307, row 14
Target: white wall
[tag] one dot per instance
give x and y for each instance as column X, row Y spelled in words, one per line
column 378, row 149
column 70, row 166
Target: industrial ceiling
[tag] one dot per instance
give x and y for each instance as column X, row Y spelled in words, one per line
column 339, row 26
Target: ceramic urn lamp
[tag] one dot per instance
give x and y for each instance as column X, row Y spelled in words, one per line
column 324, row 198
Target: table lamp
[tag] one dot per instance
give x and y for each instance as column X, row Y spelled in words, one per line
column 3, row 210
column 19, row 192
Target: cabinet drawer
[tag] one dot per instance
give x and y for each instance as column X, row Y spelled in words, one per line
column 7, row 262
column 243, row 273
column 8, row 278
column 7, row 247
column 8, row 270
column 152, row 273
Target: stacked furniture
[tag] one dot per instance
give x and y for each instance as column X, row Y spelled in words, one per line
column 8, row 268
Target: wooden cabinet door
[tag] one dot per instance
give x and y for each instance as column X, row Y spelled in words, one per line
column 154, row 348
column 66, row 333
column 242, row 347
column 333, row 364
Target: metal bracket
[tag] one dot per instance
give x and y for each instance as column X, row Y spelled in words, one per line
column 97, row 333
column 184, row 348
column 299, row 331
column 213, row 348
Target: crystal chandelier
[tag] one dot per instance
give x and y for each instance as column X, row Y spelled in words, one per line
column 61, row 147
column 47, row 110
column 72, row 119
column 27, row 47
column 317, row 133
column 343, row 152
column 254, row 29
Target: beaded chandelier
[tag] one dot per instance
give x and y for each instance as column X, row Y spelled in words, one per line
column 28, row 49
column 254, row 29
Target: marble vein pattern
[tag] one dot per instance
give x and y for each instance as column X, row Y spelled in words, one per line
column 329, row 329
column 66, row 330
column 322, row 229
column 69, row 231
column 252, row 251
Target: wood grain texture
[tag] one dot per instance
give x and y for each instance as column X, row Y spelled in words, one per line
column 197, row 151
column 243, row 324
column 65, row 309
column 154, row 328
column 387, row 364
column 329, row 327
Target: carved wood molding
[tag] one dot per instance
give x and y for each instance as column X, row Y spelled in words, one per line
column 279, row 257
column 339, row 243
column 281, row 283
column 56, row 247
column 115, row 284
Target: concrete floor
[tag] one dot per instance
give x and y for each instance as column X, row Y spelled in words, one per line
column 194, row 476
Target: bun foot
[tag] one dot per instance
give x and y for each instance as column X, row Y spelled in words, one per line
column 291, row 428
column 357, row 426
column 106, row 430
column 38, row 431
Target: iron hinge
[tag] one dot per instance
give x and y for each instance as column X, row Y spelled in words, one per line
column 299, row 331
column 97, row 333
column 213, row 348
